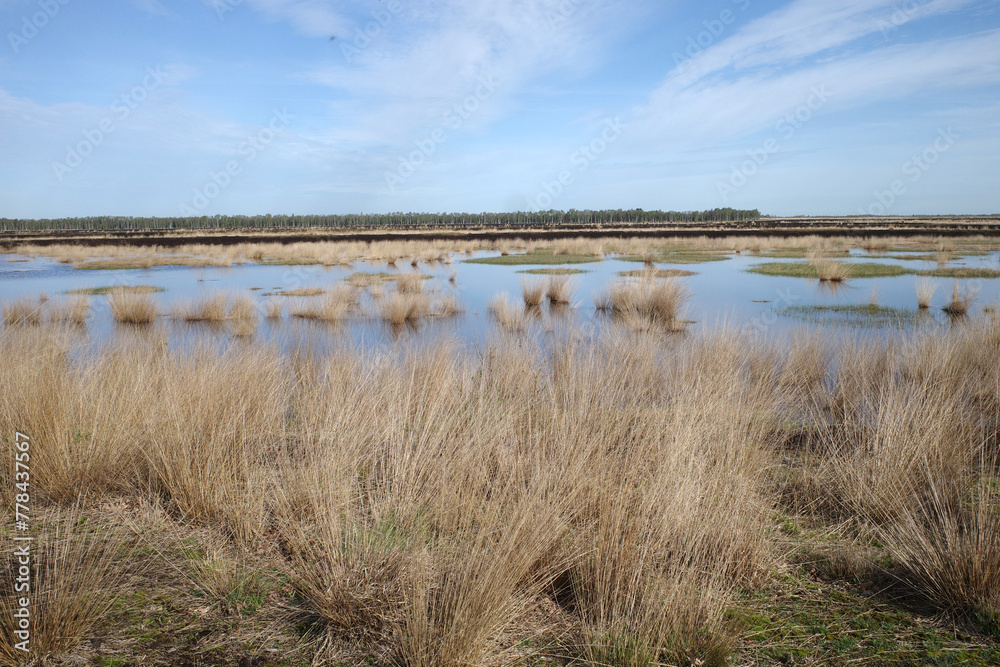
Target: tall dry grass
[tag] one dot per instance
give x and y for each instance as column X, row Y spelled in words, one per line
column 559, row 290
column 961, row 300
column 75, row 571
column 208, row 307
column 74, row 310
column 648, row 304
column 131, row 308
column 925, row 292
column 22, row 311
column 507, row 313
column 402, row 307
column 830, row 271
column 333, row 306
column 532, row 291
column 605, row 501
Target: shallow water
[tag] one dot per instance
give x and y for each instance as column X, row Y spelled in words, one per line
column 723, row 293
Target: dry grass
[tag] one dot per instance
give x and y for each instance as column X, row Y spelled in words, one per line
column 335, row 306
column 75, row 572
column 410, row 283
column 559, row 290
column 508, row 313
column 925, row 292
column 303, row 292
column 131, row 308
column 402, row 307
column 447, row 306
column 243, row 315
column 532, row 291
column 273, row 309
column 961, row 301
column 74, row 310
column 648, row 304
column 22, row 311
column 830, row 271
column 208, row 307
column 608, row 501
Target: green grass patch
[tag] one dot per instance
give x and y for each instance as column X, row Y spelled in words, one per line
column 866, row 315
column 274, row 261
column 657, row 273
column 807, row 620
column 807, row 270
column 362, row 279
column 554, row 272
column 304, row 291
column 534, row 258
column 142, row 263
column 679, row 258
column 797, row 253
column 961, row 272
column 128, row 289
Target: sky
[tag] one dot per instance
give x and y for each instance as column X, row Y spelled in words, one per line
column 206, row 107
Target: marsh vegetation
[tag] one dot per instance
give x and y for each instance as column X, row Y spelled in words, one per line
column 637, row 493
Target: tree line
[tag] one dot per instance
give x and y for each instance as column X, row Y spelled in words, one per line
column 382, row 220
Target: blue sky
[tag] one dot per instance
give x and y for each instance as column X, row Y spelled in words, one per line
column 204, row 107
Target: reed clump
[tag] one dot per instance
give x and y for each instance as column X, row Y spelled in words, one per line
column 210, row 307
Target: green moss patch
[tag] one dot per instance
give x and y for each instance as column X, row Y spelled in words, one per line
column 541, row 257
column 657, row 273
column 961, row 272
column 854, row 315
column 807, row 270
column 128, row 289
column 679, row 258
column 361, row 279
column 554, row 272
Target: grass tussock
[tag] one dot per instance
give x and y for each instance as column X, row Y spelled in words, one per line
column 74, row 310
column 132, row 308
column 647, row 304
column 925, row 292
column 209, row 307
column 509, row 314
column 243, row 315
column 76, row 569
column 829, row 271
column 274, row 309
column 22, row 311
column 559, row 290
column 402, row 307
column 335, row 306
column 961, row 300
column 532, row 292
